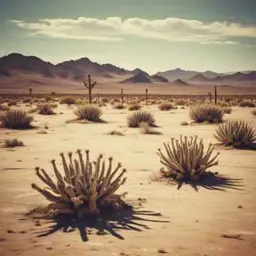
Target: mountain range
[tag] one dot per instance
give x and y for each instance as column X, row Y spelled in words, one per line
column 77, row 70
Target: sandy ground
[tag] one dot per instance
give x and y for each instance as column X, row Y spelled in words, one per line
column 192, row 223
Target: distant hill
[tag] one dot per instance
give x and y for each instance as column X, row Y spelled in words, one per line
column 178, row 73
column 139, row 71
column 159, row 79
column 198, row 78
column 237, row 77
column 180, row 82
column 138, row 78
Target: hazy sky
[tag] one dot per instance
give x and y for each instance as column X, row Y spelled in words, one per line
column 154, row 35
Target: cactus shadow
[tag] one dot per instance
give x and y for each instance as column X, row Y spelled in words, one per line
column 127, row 219
column 214, row 182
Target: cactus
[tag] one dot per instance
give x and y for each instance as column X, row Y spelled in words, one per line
column 89, row 85
column 30, row 91
column 85, row 188
column 185, row 159
column 146, row 96
column 215, row 95
column 122, row 96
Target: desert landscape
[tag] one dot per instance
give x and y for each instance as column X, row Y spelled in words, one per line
column 128, row 129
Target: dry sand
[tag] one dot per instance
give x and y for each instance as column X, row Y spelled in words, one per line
column 192, row 223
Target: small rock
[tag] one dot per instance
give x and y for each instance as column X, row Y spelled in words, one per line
column 37, row 223
column 9, row 231
column 239, row 206
column 23, row 232
column 161, row 250
column 49, row 248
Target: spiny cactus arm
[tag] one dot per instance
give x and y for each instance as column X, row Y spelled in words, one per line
column 71, row 165
column 57, row 173
column 119, row 165
column 81, row 160
column 97, row 167
column 117, row 180
column 49, row 196
column 66, row 169
column 70, row 191
column 62, row 191
column 77, row 168
column 46, row 179
column 79, row 186
column 102, row 172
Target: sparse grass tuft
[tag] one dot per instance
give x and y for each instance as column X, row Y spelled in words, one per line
column 45, row 109
column 206, row 113
column 238, row 134
column 12, row 143
column 140, row 116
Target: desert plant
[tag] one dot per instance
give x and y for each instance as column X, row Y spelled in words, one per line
column 235, row 133
column 165, row 106
column 133, row 107
column 45, row 109
column 247, row 103
column 185, row 159
column 206, row 113
column 16, row 119
column 85, row 188
column 68, row 101
column 119, row 106
column 11, row 143
column 144, row 128
column 12, row 103
column 88, row 112
column 89, row 85
column 180, row 103
column 138, row 117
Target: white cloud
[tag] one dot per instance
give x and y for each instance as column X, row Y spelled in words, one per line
column 116, row 29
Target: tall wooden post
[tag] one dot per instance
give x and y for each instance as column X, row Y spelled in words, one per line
column 210, row 96
column 146, row 96
column 89, row 85
column 215, row 95
column 122, row 96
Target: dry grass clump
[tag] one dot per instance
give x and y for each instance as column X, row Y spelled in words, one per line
column 12, row 143
column 165, row 106
column 16, row 119
column 186, row 159
column 238, row 134
column 88, row 112
column 12, row 103
column 68, row 101
column 119, row 106
column 247, row 103
column 206, row 113
column 84, row 187
column 144, row 128
column 45, row 109
column 180, row 103
column 137, row 117
column 133, row 107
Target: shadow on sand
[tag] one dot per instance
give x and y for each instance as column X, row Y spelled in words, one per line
column 214, row 182
column 128, row 219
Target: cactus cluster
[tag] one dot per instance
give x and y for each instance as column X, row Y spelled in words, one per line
column 186, row 159
column 85, row 188
column 235, row 133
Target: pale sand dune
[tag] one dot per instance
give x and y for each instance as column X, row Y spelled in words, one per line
column 196, row 221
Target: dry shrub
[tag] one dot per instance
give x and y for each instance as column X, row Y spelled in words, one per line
column 133, row 107
column 16, row 119
column 88, row 112
column 119, row 106
column 247, row 103
column 137, row 117
column 165, row 106
column 68, row 101
column 45, row 109
column 206, row 113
